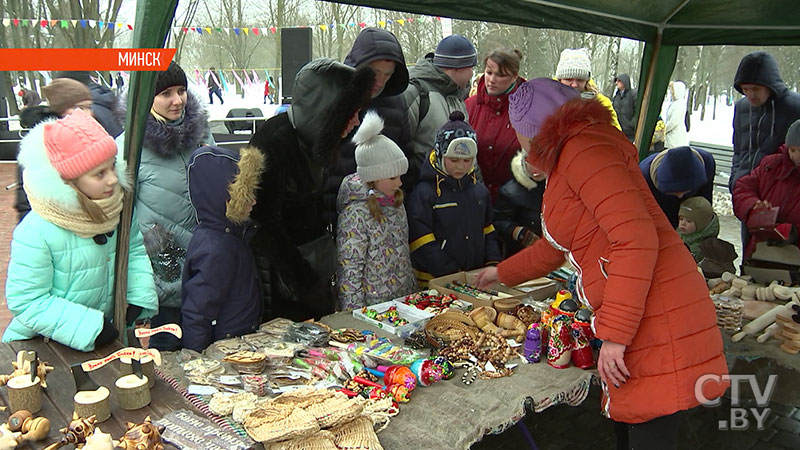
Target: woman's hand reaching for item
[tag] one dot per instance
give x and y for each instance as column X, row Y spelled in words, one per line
column 611, row 364
column 762, row 204
column 486, row 277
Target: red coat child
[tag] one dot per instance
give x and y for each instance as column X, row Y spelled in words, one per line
column 775, row 180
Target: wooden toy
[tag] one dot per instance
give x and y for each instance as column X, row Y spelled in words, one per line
column 143, row 436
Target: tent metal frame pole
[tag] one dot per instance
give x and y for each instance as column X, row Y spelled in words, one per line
column 153, row 19
column 648, row 93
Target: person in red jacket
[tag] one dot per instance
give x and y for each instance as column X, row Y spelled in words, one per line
column 661, row 344
column 488, row 115
column 774, row 182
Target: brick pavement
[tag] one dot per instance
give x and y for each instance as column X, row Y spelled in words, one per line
column 8, row 220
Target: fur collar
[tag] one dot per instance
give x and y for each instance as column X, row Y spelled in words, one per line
column 519, row 172
column 167, row 140
column 42, row 180
column 566, row 122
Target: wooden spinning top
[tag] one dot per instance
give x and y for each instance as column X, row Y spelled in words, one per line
column 144, row 436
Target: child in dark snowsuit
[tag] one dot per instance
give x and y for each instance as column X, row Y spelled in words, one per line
column 221, row 290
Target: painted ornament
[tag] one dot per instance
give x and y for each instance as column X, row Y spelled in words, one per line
column 400, row 375
column 426, row 371
column 559, row 345
column 399, row 393
column 448, row 371
column 582, row 336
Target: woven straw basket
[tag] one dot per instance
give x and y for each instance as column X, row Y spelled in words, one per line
column 335, row 411
column 319, row 441
column 356, row 435
column 274, row 422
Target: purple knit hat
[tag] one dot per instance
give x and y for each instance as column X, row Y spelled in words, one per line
column 534, row 101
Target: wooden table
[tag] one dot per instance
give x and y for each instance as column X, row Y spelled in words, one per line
column 57, row 398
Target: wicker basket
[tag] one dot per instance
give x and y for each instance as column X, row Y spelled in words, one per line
column 449, row 327
column 335, row 411
column 303, row 397
column 356, row 435
column 319, row 441
column 273, row 422
column 506, row 305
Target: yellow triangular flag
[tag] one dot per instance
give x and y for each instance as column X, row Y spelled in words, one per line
column 208, row 29
column 400, row 21
column 323, row 27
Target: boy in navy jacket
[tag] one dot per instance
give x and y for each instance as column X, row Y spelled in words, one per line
column 450, row 211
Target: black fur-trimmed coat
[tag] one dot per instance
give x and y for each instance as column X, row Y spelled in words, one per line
column 299, row 147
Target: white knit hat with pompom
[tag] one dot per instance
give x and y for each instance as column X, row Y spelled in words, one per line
column 377, row 156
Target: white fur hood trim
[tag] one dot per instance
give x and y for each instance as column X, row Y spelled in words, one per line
column 41, row 179
column 518, row 171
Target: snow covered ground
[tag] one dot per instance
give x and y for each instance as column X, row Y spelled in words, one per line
column 717, row 131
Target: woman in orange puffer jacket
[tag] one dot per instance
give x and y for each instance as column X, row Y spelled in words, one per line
column 651, row 306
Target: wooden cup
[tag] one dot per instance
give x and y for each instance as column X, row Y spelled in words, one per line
column 93, row 403
column 148, row 369
column 132, row 392
column 24, row 394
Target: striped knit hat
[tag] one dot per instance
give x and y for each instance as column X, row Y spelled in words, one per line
column 455, row 52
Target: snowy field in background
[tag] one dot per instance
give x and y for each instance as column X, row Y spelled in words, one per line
column 717, row 131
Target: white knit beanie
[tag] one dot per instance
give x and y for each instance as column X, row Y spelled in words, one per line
column 574, row 63
column 377, row 156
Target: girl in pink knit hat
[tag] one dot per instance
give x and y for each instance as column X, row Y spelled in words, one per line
column 60, row 277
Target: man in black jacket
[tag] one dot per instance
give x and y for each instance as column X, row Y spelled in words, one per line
column 379, row 50
column 624, row 102
column 761, row 119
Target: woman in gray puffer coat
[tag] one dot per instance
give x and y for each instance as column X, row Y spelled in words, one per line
column 177, row 125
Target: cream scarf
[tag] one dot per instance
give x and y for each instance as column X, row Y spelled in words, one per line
column 78, row 221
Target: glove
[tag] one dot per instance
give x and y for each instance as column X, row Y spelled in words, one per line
column 107, row 334
column 524, row 236
column 131, row 314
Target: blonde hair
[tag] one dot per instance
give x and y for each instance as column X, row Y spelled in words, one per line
column 88, row 206
column 374, row 206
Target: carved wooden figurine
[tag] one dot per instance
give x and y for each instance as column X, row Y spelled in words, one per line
column 99, row 441
column 22, row 366
column 144, row 436
column 8, row 438
column 76, row 432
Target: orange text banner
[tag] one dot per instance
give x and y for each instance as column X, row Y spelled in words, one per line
column 128, row 59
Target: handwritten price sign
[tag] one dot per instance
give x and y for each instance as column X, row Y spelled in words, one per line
column 172, row 328
column 127, row 352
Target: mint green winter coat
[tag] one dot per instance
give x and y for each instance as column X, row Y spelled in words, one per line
column 60, row 285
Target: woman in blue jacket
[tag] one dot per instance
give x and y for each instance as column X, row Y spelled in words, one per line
column 61, row 274
column 177, row 126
